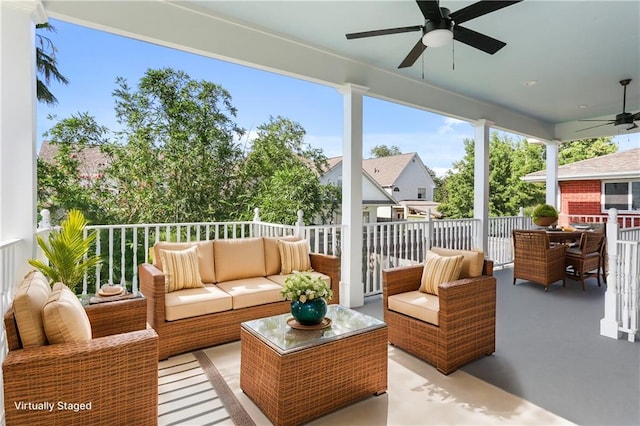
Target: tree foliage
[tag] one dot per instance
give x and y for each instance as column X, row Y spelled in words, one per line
column 46, row 65
column 177, row 152
column 380, row 151
column 509, row 160
column 176, row 158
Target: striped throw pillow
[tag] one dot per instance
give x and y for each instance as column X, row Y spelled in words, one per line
column 294, row 256
column 181, row 269
column 439, row 269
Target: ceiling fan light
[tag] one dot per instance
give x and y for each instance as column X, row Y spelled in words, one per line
column 437, row 38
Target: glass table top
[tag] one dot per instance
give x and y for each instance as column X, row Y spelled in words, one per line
column 344, row 322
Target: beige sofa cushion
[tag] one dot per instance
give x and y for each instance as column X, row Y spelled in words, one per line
column 294, row 256
column 439, row 269
column 181, row 269
column 252, row 291
column 65, row 320
column 272, row 261
column 205, row 257
column 193, row 302
column 279, row 278
column 238, row 258
column 33, row 293
column 416, row 304
column 472, row 263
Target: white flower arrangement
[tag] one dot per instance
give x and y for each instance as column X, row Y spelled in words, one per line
column 303, row 287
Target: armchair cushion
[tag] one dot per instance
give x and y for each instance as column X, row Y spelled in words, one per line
column 294, row 256
column 181, row 269
column 471, row 264
column 33, row 293
column 65, row 320
column 439, row 269
column 205, row 257
column 416, row 304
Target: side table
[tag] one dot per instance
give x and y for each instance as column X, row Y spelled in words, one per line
column 122, row 316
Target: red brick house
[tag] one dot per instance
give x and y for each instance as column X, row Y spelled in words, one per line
column 591, row 187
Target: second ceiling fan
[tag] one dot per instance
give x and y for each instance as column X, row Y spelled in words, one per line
column 441, row 25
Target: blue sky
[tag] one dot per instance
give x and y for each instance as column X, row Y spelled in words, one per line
column 92, row 60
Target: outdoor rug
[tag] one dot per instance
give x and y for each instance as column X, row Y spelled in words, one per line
column 417, row 395
column 192, row 392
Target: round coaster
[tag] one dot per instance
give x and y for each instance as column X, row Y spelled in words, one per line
column 112, row 290
column 326, row 322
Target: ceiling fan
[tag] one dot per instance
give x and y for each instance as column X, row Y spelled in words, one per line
column 624, row 120
column 441, row 25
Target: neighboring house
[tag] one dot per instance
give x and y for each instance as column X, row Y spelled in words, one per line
column 403, row 178
column 92, row 161
column 593, row 186
column 373, row 195
column 407, row 179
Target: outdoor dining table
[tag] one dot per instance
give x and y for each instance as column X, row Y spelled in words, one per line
column 559, row 236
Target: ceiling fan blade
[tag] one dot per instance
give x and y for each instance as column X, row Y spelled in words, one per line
column 384, row 32
column 593, row 127
column 608, row 121
column 430, row 9
column 636, row 116
column 413, row 56
column 478, row 9
column 635, row 126
column 480, row 41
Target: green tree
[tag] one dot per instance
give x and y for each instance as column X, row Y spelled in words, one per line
column 178, row 153
column 380, row 151
column 64, row 181
column 46, row 65
column 508, row 161
column 570, row 152
column 280, row 170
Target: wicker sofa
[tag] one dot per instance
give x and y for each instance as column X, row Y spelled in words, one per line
column 460, row 325
column 243, row 281
column 112, row 378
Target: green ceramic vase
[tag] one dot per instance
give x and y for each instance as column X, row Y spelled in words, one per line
column 311, row 312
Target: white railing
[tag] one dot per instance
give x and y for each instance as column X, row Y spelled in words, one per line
column 624, row 220
column 628, row 279
column 500, row 241
column 629, row 234
column 622, row 298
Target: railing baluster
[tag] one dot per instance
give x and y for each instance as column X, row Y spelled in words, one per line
column 134, row 283
column 110, row 255
column 123, row 251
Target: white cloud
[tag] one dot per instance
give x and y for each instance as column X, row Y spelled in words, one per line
column 449, row 124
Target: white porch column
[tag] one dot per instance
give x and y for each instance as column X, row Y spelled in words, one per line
column 609, row 325
column 18, row 125
column 481, row 181
column 351, row 287
column 552, row 172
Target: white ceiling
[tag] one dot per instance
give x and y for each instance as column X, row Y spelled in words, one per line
column 577, row 51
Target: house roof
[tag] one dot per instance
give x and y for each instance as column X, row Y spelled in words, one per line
column 619, row 165
column 388, row 199
column 92, row 160
column 385, row 170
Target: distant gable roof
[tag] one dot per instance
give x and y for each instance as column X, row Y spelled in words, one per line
column 92, row 160
column 385, row 170
column 619, row 165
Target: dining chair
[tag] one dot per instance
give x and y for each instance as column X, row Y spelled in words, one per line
column 535, row 260
column 586, row 260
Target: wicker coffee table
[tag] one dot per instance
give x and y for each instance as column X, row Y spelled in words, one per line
column 295, row 376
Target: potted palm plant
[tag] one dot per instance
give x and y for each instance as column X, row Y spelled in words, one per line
column 66, row 251
column 545, row 215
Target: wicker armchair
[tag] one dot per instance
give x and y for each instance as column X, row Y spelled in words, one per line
column 535, row 260
column 587, row 259
column 116, row 372
column 467, row 318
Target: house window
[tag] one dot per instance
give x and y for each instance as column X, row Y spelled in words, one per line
column 624, row 196
column 422, row 193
